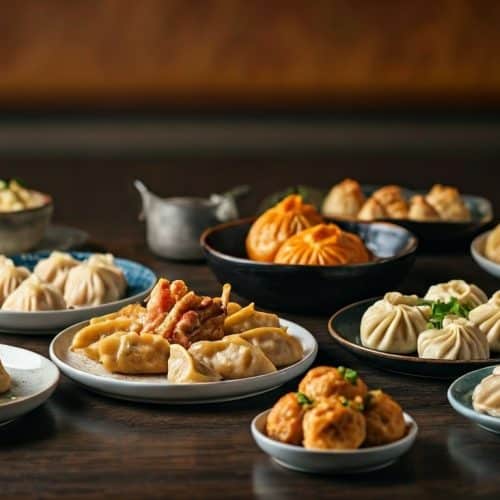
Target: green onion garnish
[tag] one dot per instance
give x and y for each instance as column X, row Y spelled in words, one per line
column 303, row 400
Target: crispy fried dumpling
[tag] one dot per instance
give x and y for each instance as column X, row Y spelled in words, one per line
column 486, row 395
column 334, row 424
column 492, row 247
column 448, row 203
column 323, row 245
column 247, row 318
column 421, row 210
column 284, row 422
column 5, row 380
column 392, row 199
column 10, row 277
column 385, row 422
column 95, row 331
column 277, row 344
column 487, row 318
column 129, row 352
column 232, row 308
column 466, row 293
column 184, row 368
column 344, row 200
column 232, row 358
column 34, row 295
column 95, row 281
column 393, row 324
column 372, row 210
column 55, row 268
column 458, row 339
column 277, row 224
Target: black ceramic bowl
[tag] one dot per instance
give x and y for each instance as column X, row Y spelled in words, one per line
column 310, row 289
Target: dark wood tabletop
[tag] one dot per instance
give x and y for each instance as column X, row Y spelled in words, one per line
column 80, row 444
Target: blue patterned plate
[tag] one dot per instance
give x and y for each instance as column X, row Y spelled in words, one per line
column 140, row 281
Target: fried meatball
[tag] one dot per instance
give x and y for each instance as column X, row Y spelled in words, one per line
column 325, row 381
column 334, row 424
column 284, row 422
column 384, row 419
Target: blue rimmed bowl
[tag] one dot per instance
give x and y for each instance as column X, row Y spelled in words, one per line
column 140, row 281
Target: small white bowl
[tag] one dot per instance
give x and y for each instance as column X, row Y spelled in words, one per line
column 332, row 461
column 477, row 251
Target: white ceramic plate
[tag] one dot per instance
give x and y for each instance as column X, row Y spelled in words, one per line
column 156, row 388
column 477, row 251
column 34, row 379
column 332, row 461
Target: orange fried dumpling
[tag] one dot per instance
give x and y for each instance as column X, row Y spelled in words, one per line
column 344, row 200
column 277, row 224
column 323, row 245
column 284, row 422
column 422, row 210
column 448, row 203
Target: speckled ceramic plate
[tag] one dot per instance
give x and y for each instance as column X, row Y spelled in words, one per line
column 460, row 397
column 477, row 251
column 34, row 379
column 156, row 388
column 344, row 329
column 140, row 280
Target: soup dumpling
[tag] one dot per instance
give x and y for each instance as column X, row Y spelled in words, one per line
column 486, row 395
column 487, row 318
column 55, row 268
column 467, row 294
column 393, row 324
column 183, row 368
column 5, row 380
column 344, row 200
column 10, row 277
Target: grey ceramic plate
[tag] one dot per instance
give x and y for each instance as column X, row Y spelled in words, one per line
column 344, row 328
column 477, row 251
column 460, row 397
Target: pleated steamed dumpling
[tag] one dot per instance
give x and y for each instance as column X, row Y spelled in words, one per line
column 344, row 200
column 183, row 368
column 459, row 339
column 95, row 281
column 10, row 277
column 448, row 203
column 55, row 268
column 5, row 380
column 486, row 395
column 487, row 318
column 34, row 295
column 466, row 293
column 393, row 324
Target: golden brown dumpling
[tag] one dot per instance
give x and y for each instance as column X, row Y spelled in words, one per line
column 448, row 203
column 185, row 369
column 325, row 381
column 284, row 422
column 277, row 224
column 421, row 210
column 492, row 247
column 323, row 245
column 384, row 419
column 247, row 318
column 372, row 210
column 392, row 199
column 334, row 424
column 5, row 380
column 344, row 200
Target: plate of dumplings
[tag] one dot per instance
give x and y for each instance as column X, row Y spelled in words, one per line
column 43, row 292
column 453, row 328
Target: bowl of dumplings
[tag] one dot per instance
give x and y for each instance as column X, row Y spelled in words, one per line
column 43, row 292
column 453, row 328
column 485, row 250
column 476, row 396
column 290, row 258
column 334, row 423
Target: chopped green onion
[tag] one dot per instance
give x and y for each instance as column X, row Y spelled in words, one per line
column 303, row 400
column 341, row 370
column 351, row 376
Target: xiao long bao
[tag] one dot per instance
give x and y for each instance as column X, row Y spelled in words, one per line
column 10, row 277
column 486, row 395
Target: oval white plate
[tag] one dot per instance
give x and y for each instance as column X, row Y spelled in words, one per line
column 156, row 388
column 332, row 461
column 477, row 251
column 34, row 379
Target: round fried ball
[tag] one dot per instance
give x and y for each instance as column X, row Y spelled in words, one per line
column 384, row 419
column 325, row 381
column 334, row 424
column 284, row 422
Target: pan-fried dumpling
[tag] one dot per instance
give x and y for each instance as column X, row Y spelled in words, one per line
column 344, row 200
column 486, row 395
column 129, row 352
column 393, row 324
column 372, row 210
column 247, row 318
column 279, row 346
column 422, row 210
column 232, row 358
column 55, row 268
column 492, row 247
column 95, row 331
column 10, row 277
column 487, row 318
column 183, row 368
column 393, row 201
column 448, row 203
column 467, row 294
column 5, row 380
column 94, row 282
column 458, row 339
column 34, row 295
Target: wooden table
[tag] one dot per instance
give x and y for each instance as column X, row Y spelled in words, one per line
column 82, row 445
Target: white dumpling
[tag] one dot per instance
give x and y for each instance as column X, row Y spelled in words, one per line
column 487, row 318
column 232, row 358
column 279, row 346
column 183, row 368
column 5, row 380
column 393, row 323
column 10, row 277
column 486, row 395
column 459, row 339
column 34, row 295
column 55, row 268
column 95, row 281
column 467, row 294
